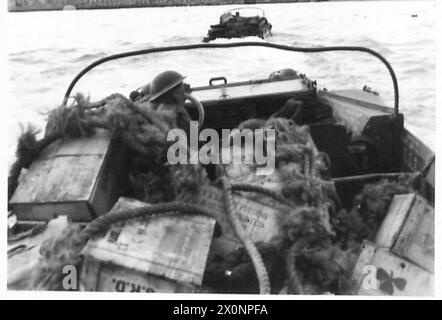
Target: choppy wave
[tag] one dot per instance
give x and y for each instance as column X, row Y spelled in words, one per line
column 43, row 59
column 90, row 56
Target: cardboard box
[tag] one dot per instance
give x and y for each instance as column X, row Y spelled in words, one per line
column 73, row 177
column 158, row 254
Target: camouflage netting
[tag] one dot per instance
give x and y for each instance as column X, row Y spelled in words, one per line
column 142, row 131
column 319, row 241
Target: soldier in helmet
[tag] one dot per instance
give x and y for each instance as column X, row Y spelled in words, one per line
column 167, row 93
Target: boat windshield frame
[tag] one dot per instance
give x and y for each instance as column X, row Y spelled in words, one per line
column 239, row 9
column 238, row 44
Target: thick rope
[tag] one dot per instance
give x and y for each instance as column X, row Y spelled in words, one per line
column 247, row 187
column 263, row 278
column 103, row 222
column 307, row 166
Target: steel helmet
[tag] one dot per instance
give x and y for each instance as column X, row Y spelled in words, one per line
column 163, row 83
column 284, row 74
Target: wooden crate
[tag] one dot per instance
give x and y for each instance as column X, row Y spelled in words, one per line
column 402, row 258
column 158, row 254
column 408, row 230
column 416, row 239
column 260, row 221
column 73, row 177
column 394, row 220
column 391, row 274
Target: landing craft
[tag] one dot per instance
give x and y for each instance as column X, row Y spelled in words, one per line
column 341, row 156
column 240, row 23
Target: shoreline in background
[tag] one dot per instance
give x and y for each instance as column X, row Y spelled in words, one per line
column 48, row 5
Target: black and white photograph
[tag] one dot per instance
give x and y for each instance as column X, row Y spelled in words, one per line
column 216, row 148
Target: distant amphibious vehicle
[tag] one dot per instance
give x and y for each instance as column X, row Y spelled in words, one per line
column 239, row 23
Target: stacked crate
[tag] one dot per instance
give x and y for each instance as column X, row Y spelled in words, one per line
column 401, row 259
